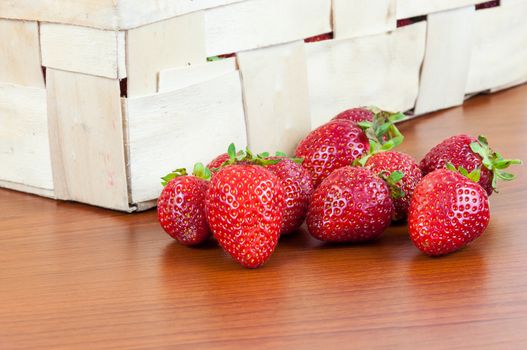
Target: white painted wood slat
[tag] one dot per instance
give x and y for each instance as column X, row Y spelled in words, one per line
column 276, row 97
column 447, row 58
column 20, row 54
column 257, row 23
column 87, row 141
column 381, row 70
column 499, row 51
column 178, row 128
column 24, row 142
column 354, row 18
column 177, row 42
column 413, row 8
column 81, row 49
column 178, row 78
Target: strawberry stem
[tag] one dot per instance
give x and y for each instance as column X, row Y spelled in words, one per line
column 248, row 157
column 172, row 175
column 382, row 133
column 493, row 161
column 474, row 175
column 392, row 180
column 201, row 171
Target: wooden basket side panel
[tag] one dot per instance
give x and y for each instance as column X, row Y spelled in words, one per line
column 178, row 128
column 499, row 51
column 87, row 142
column 380, row 70
column 24, row 144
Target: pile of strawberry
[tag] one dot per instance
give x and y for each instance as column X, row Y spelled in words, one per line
column 345, row 181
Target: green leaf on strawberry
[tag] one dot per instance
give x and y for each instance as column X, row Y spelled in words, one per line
column 493, row 161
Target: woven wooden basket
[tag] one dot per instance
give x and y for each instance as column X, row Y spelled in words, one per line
column 99, row 98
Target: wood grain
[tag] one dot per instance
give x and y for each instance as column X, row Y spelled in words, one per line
column 77, row 277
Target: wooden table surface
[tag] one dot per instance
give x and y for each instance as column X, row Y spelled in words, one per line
column 74, row 276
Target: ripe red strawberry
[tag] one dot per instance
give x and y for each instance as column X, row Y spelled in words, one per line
column 244, row 208
column 356, row 115
column 447, row 212
column 321, row 37
column 331, row 146
column 181, row 206
column 238, row 157
column 404, row 22
column 488, row 4
column 407, row 21
column 469, row 153
column 298, row 188
column 339, row 142
column 388, row 162
column 352, row 204
column 217, row 162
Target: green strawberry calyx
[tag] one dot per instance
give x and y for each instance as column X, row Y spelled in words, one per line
column 392, row 180
column 214, row 58
column 382, row 133
column 248, row 157
column 293, row 159
column 493, row 161
column 474, row 175
column 200, row 171
column 172, row 175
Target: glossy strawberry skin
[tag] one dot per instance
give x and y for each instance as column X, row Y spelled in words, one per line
column 456, row 150
column 298, row 188
column 351, row 205
column 330, row 147
column 355, row 115
column 244, row 208
column 447, row 212
column 396, row 161
column 488, row 4
column 218, row 161
column 317, row 38
column 181, row 210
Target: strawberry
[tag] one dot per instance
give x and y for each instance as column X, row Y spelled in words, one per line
column 356, row 115
column 331, row 146
column 217, row 162
column 404, row 22
column 388, row 162
column 321, row 37
column 295, row 180
column 244, row 208
column 407, row 21
column 469, row 153
column 221, row 57
column 339, row 142
column 181, row 205
column 352, row 204
column 298, row 188
column 447, row 211
column 488, row 4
